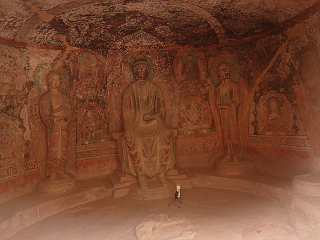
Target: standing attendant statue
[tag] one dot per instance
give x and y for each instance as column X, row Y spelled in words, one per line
column 55, row 112
column 228, row 98
column 147, row 147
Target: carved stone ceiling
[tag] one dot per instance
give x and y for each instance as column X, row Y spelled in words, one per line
column 97, row 24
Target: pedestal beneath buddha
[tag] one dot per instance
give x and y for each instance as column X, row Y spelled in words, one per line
column 154, row 191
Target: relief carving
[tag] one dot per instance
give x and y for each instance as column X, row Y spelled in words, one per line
column 195, row 114
column 89, row 97
column 10, row 71
column 276, row 116
column 190, row 70
column 92, row 124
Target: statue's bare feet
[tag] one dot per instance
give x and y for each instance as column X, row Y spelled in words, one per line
column 226, row 158
column 143, row 182
column 163, row 180
column 53, row 177
column 64, row 175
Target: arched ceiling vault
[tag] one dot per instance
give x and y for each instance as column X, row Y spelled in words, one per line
column 35, row 21
column 100, row 24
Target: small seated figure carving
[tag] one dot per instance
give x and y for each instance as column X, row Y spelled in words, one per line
column 55, row 112
column 147, row 147
column 275, row 124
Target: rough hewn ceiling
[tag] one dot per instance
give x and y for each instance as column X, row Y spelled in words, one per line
column 100, row 24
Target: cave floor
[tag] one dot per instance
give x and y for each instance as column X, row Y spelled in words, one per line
column 205, row 213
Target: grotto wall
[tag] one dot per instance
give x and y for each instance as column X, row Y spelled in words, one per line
column 22, row 133
column 289, row 146
column 277, row 72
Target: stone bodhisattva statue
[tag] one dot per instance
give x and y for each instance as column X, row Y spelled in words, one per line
column 147, row 147
column 228, row 99
column 55, row 112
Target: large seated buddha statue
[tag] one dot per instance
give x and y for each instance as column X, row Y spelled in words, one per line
column 147, row 147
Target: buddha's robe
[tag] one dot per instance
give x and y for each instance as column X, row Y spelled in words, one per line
column 147, row 148
column 57, row 131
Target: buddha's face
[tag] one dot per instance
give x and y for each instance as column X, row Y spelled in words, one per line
column 273, row 105
column 90, row 117
column 141, row 72
column 54, row 81
column 224, row 73
column 190, row 58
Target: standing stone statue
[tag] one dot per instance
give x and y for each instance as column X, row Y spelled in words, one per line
column 148, row 145
column 55, row 112
column 228, row 97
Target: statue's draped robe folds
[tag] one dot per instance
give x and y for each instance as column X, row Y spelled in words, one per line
column 57, row 131
column 229, row 116
column 148, row 145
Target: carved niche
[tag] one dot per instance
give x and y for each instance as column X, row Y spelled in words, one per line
column 89, row 93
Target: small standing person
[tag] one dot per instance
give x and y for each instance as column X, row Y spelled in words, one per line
column 55, row 112
column 147, row 145
column 228, row 98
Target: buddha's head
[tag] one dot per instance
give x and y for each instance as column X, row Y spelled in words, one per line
column 273, row 104
column 140, row 69
column 189, row 58
column 53, row 80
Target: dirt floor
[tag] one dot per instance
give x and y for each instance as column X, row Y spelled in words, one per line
column 204, row 214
